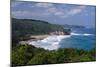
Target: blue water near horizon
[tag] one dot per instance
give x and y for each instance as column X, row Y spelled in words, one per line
column 80, row 41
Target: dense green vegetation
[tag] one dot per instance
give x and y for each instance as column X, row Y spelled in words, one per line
column 23, row 28
column 28, row 26
column 30, row 55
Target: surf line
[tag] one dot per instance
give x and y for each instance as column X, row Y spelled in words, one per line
column 50, row 43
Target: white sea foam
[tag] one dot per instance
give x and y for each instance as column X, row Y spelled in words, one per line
column 84, row 34
column 87, row 34
column 49, row 43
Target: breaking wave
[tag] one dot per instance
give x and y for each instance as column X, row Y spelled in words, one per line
column 84, row 34
column 50, row 43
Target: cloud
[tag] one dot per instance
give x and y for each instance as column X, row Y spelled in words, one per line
column 48, row 10
column 59, row 13
column 51, row 10
column 29, row 14
column 76, row 10
column 73, row 11
column 19, row 13
column 15, row 3
column 64, row 13
column 45, row 5
column 54, row 11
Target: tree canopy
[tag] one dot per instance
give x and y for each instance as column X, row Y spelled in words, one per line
column 30, row 55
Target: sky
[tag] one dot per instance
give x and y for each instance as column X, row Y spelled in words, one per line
column 55, row 13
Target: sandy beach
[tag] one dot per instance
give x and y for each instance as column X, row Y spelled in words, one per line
column 34, row 38
column 38, row 37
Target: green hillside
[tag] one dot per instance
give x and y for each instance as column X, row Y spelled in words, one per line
column 23, row 28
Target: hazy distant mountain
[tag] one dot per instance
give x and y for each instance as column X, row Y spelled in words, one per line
column 72, row 26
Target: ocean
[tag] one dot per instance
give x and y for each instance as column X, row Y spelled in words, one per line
column 81, row 38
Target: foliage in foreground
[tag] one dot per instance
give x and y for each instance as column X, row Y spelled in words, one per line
column 30, row 55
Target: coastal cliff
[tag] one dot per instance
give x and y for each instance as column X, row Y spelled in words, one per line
column 25, row 29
